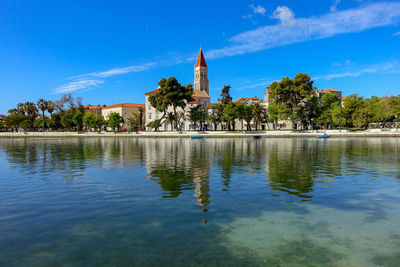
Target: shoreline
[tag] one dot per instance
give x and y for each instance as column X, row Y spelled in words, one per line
column 207, row 134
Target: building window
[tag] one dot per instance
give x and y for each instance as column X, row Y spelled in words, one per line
column 149, row 116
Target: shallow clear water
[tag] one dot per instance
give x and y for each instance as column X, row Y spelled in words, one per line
column 177, row 202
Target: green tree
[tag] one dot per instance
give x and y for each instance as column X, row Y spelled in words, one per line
column 241, row 112
column 225, row 95
column 273, row 113
column 248, row 116
column 14, row 118
column 351, row 104
column 133, row 122
column 289, row 93
column 197, row 114
column 171, row 94
column 155, row 124
column 31, row 111
column 338, row 116
column 26, row 124
column 230, row 114
column 329, row 102
column 43, row 105
column 114, row 120
column 258, row 112
column 77, row 118
column 170, row 119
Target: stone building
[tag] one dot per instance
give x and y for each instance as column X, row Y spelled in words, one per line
column 94, row 108
column 323, row 92
column 200, row 97
column 125, row 110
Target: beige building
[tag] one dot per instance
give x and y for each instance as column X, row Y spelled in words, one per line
column 200, row 97
column 125, row 110
column 94, row 108
column 250, row 100
column 323, row 92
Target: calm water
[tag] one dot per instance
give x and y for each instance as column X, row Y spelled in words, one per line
column 176, row 202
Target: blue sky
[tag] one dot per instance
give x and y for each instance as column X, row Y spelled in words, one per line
column 110, row 52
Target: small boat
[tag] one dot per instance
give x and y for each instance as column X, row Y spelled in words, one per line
column 324, row 135
column 196, row 137
column 256, row 136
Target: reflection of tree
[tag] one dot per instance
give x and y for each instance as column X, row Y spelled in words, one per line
column 172, row 181
column 37, row 156
column 292, row 166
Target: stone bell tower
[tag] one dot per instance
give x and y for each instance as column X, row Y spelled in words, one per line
column 201, row 74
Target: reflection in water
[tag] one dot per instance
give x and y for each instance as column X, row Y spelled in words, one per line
column 292, row 166
column 125, row 200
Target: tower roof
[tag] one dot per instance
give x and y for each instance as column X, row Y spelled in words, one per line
column 201, row 62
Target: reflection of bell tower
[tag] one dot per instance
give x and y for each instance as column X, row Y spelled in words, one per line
column 201, row 74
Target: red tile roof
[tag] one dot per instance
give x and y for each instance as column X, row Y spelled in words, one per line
column 196, row 93
column 152, row 92
column 92, row 106
column 242, row 99
column 328, row 90
column 201, row 62
column 128, row 105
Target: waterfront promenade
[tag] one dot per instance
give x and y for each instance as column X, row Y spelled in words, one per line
column 213, row 134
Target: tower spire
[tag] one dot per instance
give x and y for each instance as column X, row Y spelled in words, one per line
column 201, row 62
column 201, row 73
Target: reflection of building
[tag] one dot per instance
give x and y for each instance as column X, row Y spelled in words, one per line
column 200, row 96
column 125, row 110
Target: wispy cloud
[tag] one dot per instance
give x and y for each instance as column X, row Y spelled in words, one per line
column 347, row 62
column 396, row 34
column 91, row 80
column 261, row 83
column 290, row 30
column 258, row 9
column 118, row 71
column 334, row 5
column 78, row 84
column 386, row 67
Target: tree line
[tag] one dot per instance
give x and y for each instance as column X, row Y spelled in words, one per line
column 67, row 113
column 295, row 100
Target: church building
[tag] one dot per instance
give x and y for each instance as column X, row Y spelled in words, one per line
column 200, row 97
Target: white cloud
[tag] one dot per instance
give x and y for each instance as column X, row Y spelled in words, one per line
column 79, row 84
column 347, row 62
column 258, row 9
column 118, row 71
column 396, row 34
column 89, row 80
column 334, row 5
column 386, row 67
column 292, row 30
column 285, row 15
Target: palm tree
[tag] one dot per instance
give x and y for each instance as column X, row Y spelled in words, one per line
column 170, row 118
column 43, row 105
column 31, row 110
column 258, row 111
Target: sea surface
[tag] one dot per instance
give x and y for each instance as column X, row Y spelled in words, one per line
column 211, row 202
